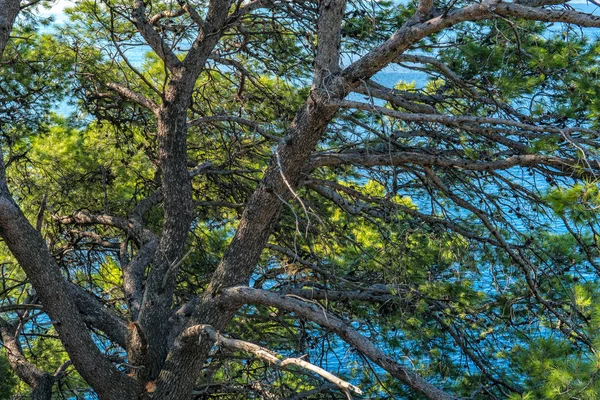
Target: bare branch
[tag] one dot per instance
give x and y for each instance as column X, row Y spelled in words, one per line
column 17, row 307
column 152, row 37
column 458, row 120
column 547, row 15
column 95, row 239
column 396, row 97
column 133, row 96
column 244, row 294
column 165, row 14
column 131, row 227
column 267, row 355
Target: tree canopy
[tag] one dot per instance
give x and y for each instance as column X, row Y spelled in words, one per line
column 287, row 199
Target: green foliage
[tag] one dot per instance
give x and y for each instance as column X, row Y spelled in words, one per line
column 29, row 88
column 484, row 295
column 8, row 381
column 556, row 370
column 578, row 202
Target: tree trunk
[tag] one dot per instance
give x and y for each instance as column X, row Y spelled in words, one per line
column 42, row 389
column 9, row 9
column 150, row 348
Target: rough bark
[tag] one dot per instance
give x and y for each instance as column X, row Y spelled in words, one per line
column 9, row 9
column 284, row 174
column 245, row 295
column 29, row 248
column 40, row 382
column 96, row 315
column 156, row 303
column 155, row 309
column 172, row 369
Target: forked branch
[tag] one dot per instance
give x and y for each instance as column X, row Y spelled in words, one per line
column 267, row 355
column 247, row 295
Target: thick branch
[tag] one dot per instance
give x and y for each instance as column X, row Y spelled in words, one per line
column 514, row 10
column 205, row 42
column 155, row 306
column 30, row 250
column 376, row 295
column 133, row 96
column 267, row 355
column 98, row 316
column 408, row 34
column 327, row 61
column 248, row 295
column 393, row 158
column 152, row 37
column 396, row 97
column 165, row 14
column 131, row 227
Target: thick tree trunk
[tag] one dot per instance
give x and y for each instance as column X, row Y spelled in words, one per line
column 149, row 344
column 171, row 375
column 262, row 210
column 42, row 389
column 9, row 9
column 150, row 348
column 176, row 381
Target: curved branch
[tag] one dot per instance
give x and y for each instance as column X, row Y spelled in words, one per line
column 40, row 382
column 267, row 355
column 131, row 227
column 133, row 96
column 165, row 14
column 30, row 250
column 393, row 158
column 152, row 37
column 98, row 316
column 547, row 15
column 246, row 295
